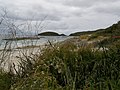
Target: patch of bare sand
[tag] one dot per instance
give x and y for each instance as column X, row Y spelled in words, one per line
column 12, row 57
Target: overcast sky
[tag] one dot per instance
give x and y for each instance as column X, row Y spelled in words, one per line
column 65, row 16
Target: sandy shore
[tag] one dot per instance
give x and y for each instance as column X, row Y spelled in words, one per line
column 10, row 57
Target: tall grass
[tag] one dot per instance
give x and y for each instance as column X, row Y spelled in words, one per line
column 68, row 67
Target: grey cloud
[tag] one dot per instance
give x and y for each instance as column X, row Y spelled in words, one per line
column 86, row 3
column 65, row 15
column 25, row 12
column 109, row 8
column 33, row 14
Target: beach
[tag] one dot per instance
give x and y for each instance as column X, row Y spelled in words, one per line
column 12, row 52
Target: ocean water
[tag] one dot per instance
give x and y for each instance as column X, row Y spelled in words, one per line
column 22, row 43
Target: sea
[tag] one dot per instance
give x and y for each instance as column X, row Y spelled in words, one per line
column 29, row 42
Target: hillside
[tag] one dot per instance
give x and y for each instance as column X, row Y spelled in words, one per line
column 81, row 33
column 112, row 30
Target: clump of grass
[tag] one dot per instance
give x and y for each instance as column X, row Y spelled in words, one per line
column 86, row 37
column 6, row 80
column 93, row 36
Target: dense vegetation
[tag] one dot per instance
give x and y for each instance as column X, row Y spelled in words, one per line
column 67, row 67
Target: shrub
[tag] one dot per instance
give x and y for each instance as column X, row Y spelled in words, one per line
column 6, row 81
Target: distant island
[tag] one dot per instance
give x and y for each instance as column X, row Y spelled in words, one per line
column 50, row 34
